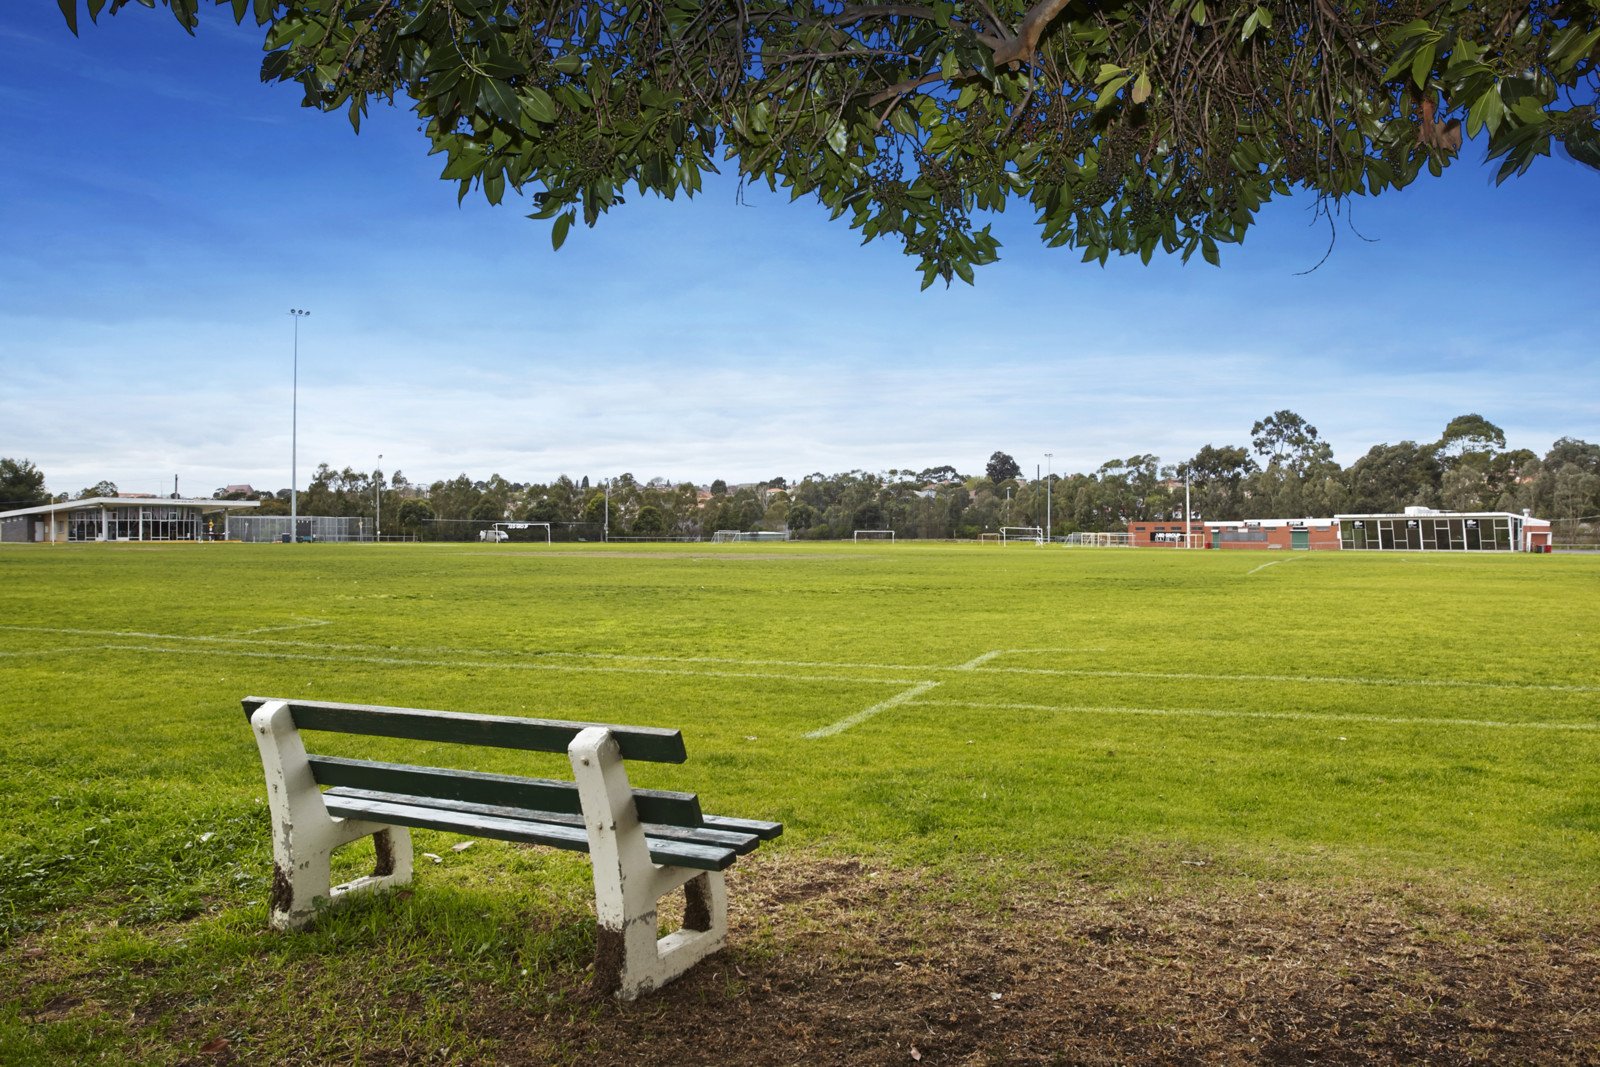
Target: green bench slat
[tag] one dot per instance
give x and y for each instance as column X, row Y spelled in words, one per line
column 762, row 829
column 523, row 830
column 498, row 731
column 535, row 794
column 742, row 843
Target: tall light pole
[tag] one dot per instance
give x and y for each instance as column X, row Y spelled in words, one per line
column 1188, row 516
column 1048, row 456
column 377, row 505
column 294, row 432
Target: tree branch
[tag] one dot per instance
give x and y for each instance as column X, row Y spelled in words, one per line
column 1020, row 48
column 901, row 88
column 912, row 11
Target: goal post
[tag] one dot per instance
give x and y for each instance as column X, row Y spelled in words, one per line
column 989, row 539
column 875, row 535
column 722, row 537
column 1009, row 534
column 1089, row 539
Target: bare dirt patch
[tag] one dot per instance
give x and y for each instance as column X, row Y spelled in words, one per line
column 845, row 962
column 833, row 962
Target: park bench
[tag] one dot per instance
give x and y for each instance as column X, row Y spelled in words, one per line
column 643, row 843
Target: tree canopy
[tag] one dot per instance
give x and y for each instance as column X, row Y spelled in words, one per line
column 21, row 485
column 1126, row 126
column 1001, row 467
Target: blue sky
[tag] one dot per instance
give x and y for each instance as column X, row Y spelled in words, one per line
column 161, row 210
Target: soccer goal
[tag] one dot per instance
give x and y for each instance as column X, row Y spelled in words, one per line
column 1008, row 534
column 531, row 531
column 722, row 537
column 1099, row 540
column 875, row 535
column 989, row 539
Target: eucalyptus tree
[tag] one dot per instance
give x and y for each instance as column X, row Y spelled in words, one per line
column 1126, row 126
column 1216, row 476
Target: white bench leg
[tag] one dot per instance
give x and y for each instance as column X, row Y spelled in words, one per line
column 629, row 958
column 304, row 835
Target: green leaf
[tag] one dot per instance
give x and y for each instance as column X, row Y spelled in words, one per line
column 1260, row 18
column 1487, row 110
column 1208, row 248
column 537, row 105
column 569, row 64
column 463, row 166
column 69, row 11
column 1422, row 64
column 1108, row 93
column 1197, row 13
column 838, row 138
column 497, row 98
column 1107, row 72
column 558, row 232
column 1141, row 89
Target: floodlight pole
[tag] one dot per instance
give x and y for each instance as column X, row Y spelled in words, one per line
column 1188, row 517
column 605, row 530
column 1048, row 456
column 294, row 432
column 377, row 502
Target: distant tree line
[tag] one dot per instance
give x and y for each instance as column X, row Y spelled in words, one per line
column 1285, row 471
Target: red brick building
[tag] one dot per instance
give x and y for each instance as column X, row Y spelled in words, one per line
column 1304, row 534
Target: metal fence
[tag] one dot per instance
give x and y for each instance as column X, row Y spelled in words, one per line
column 478, row 530
column 260, row 528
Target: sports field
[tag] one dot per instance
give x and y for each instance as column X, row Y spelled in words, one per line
column 1115, row 715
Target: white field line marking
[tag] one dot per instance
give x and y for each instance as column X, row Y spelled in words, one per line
column 1308, row 679
column 866, row 713
column 303, row 624
column 1264, row 566
column 400, row 661
column 922, row 668
column 978, row 661
column 42, row 652
column 1292, row 716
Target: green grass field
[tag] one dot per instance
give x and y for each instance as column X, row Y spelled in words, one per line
column 1121, row 715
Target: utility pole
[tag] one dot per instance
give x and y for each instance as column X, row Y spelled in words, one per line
column 294, row 432
column 377, row 496
column 1048, row 458
column 605, row 531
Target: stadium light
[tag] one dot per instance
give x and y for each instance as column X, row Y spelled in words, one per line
column 377, row 502
column 1048, row 456
column 294, row 432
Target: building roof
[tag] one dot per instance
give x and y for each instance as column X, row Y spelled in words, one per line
column 200, row 504
column 1265, row 524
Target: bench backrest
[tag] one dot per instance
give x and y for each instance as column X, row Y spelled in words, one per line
column 497, row 731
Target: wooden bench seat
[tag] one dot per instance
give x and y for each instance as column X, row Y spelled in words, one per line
column 644, row 843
